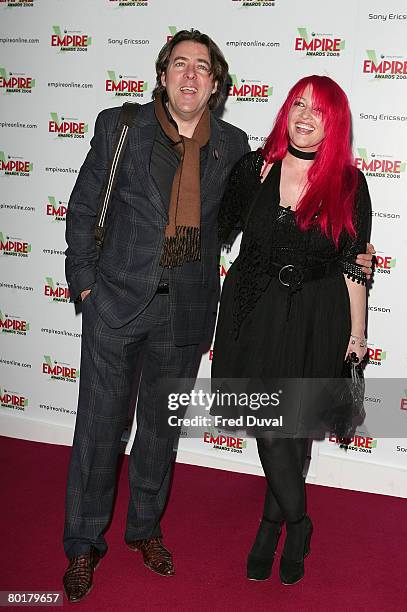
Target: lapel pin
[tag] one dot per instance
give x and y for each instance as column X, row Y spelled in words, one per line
column 216, row 154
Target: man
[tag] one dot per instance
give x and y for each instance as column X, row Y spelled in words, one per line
column 154, row 290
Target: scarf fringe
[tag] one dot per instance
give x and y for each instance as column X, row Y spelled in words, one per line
column 185, row 246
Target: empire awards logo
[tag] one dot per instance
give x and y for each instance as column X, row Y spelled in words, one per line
column 15, row 82
column 67, row 127
column 173, row 31
column 56, row 210
column 14, row 166
column 57, row 291
column 57, row 370
column 125, row 85
column 123, row 3
column 15, row 247
column 248, row 90
column 384, row 264
column 69, row 40
column 17, row 3
column 13, row 400
column 378, row 165
column 376, row 355
column 218, row 440
column 253, row 3
column 384, row 66
column 361, row 444
column 11, row 324
column 318, row 44
column 224, row 266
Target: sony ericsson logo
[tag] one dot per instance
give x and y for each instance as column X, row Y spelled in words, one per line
column 125, row 85
column 67, row 127
column 384, row 66
column 377, row 165
column 318, row 44
column 248, row 90
column 15, row 82
column 68, row 40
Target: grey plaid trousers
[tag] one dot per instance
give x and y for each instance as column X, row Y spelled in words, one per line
column 108, row 362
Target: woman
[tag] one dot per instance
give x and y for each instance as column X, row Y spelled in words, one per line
column 293, row 304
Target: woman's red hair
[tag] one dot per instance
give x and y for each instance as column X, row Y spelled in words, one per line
column 332, row 178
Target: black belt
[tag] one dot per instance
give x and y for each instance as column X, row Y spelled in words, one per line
column 293, row 276
column 163, row 288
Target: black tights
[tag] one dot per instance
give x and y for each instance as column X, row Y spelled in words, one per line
column 283, row 461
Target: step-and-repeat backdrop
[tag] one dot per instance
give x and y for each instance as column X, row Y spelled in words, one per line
column 62, row 61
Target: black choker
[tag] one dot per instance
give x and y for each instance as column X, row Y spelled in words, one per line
column 301, row 154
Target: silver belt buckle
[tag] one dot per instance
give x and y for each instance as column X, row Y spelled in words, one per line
column 288, row 267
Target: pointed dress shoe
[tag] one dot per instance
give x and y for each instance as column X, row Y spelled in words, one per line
column 156, row 557
column 78, row 578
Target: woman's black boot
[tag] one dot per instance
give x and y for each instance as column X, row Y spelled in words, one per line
column 261, row 556
column 296, row 548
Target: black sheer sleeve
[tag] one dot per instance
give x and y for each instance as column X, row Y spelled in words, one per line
column 357, row 244
column 243, row 182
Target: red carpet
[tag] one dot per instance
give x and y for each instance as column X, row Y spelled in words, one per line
column 357, row 561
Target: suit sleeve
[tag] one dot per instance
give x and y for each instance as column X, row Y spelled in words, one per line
column 81, row 254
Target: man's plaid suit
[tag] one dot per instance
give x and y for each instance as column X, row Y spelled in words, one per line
column 123, row 316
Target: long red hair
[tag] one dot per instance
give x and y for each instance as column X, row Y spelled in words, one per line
column 332, row 178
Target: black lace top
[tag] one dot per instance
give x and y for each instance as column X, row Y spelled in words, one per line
column 271, row 234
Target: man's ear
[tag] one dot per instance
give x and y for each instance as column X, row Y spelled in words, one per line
column 163, row 83
column 215, row 87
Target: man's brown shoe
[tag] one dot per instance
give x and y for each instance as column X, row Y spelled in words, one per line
column 156, row 556
column 78, row 577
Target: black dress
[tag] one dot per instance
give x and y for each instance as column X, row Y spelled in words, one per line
column 264, row 329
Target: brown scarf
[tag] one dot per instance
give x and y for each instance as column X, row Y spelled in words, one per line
column 182, row 241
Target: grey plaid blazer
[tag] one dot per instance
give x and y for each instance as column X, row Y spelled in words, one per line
column 126, row 276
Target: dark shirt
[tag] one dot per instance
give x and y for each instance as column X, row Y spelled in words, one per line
column 164, row 163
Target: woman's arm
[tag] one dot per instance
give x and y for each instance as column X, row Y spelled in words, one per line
column 239, row 192
column 357, row 297
column 355, row 278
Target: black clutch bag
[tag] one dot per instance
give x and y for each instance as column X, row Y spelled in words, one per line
column 351, row 410
column 342, row 409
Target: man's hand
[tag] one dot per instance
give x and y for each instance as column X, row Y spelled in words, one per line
column 85, row 294
column 365, row 259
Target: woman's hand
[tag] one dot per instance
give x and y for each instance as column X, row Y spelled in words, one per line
column 365, row 259
column 357, row 348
